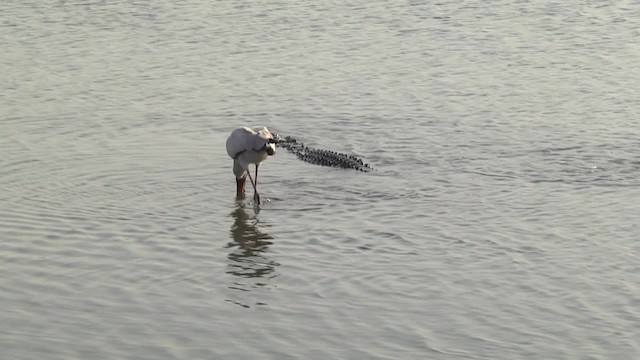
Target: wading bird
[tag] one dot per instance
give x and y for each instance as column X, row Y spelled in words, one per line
column 249, row 146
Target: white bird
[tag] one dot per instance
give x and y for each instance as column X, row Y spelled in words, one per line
column 249, row 146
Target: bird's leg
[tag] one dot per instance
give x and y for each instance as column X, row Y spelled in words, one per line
column 256, row 197
column 240, row 186
column 251, row 179
column 257, row 174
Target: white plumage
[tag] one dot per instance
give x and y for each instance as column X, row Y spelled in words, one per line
column 249, row 146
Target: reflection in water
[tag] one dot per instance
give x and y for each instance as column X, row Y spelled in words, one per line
column 248, row 256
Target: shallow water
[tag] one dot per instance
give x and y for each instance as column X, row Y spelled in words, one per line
column 501, row 221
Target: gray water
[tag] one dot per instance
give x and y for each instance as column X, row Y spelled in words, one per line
column 501, row 221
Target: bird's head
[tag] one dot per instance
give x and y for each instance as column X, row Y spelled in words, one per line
column 266, row 141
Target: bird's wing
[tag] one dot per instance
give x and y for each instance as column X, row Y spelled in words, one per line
column 241, row 139
column 263, row 132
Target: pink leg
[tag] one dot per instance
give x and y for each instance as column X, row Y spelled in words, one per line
column 240, row 185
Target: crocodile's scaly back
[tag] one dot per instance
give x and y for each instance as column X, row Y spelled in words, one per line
column 322, row 157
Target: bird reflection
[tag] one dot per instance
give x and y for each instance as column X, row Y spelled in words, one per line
column 249, row 247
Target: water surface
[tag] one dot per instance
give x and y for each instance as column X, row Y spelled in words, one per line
column 501, row 221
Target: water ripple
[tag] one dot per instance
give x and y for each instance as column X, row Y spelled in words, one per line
column 501, row 220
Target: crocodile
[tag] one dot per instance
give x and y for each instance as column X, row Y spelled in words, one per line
column 320, row 156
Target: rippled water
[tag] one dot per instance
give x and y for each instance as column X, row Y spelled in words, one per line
column 501, row 221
